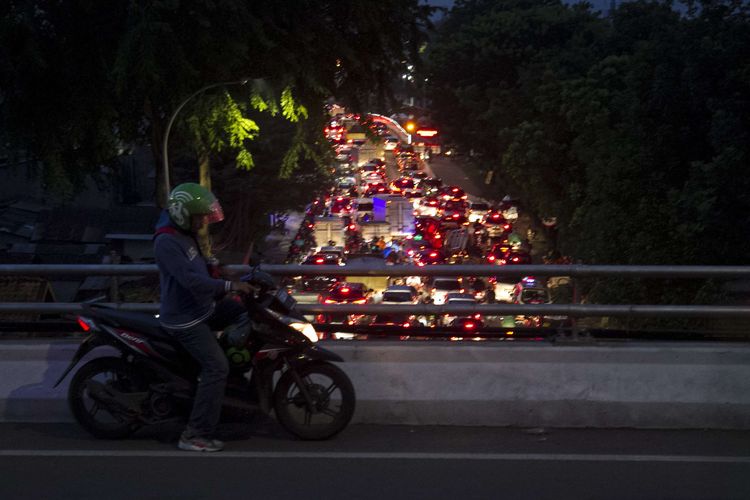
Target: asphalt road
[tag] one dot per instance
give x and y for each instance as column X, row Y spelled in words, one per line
column 378, row 462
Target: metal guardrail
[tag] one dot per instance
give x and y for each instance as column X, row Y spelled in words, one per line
column 573, row 270
column 571, row 310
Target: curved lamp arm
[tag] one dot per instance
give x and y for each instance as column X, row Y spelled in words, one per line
column 165, row 152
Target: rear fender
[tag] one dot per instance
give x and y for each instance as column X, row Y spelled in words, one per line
column 88, row 344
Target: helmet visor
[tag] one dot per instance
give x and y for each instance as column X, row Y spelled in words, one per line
column 215, row 214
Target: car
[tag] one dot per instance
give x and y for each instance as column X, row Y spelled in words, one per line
column 453, row 218
column 403, row 320
column 428, row 206
column 509, row 208
column 458, row 298
column 496, row 225
column 343, row 154
column 496, row 254
column 418, row 175
column 410, row 165
column 402, row 184
column 503, row 287
column 412, row 246
column 477, row 211
column 530, row 291
column 343, row 292
column 315, row 284
column 441, row 287
column 336, row 251
column 390, row 142
column 467, row 323
column 519, row 257
column 375, row 188
column 453, row 206
column 321, row 259
column 341, row 205
column 431, row 185
column 346, row 182
column 400, row 294
column 429, row 256
column 452, row 193
column 533, row 291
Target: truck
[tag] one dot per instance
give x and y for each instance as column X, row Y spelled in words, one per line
column 397, row 211
column 328, row 229
column 374, row 229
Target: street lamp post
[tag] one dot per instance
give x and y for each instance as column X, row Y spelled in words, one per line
column 164, row 147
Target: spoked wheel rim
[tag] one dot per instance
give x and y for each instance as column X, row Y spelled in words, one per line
column 327, row 401
column 105, row 381
column 330, row 406
column 91, row 395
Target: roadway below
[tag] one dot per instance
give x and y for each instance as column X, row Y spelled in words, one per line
column 378, row 462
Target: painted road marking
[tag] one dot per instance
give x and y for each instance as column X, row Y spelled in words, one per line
column 543, row 457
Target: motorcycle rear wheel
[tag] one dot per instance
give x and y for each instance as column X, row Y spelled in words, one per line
column 333, row 401
column 101, row 421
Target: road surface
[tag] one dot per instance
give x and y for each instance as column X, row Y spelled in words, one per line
column 49, row 461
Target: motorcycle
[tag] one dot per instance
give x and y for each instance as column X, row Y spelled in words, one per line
column 278, row 367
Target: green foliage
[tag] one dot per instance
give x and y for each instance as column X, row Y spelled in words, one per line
column 634, row 130
column 83, row 77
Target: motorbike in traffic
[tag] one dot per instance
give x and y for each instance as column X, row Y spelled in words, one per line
column 152, row 379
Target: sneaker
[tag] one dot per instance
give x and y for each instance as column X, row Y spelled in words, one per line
column 197, row 443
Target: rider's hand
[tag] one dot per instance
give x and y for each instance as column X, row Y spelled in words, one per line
column 242, row 287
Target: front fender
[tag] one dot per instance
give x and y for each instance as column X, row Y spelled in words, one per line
column 319, row 353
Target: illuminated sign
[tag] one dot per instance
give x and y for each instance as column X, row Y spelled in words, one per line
column 427, row 132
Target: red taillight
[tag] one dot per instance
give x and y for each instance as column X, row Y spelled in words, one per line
column 437, row 236
column 491, row 258
column 495, row 216
column 319, row 261
column 469, row 325
column 506, row 226
column 345, row 290
column 433, row 254
column 329, row 301
column 477, row 316
column 84, row 324
column 406, row 325
column 359, row 301
column 515, row 259
column 352, row 227
column 455, row 216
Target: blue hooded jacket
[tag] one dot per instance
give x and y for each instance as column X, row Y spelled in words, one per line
column 188, row 292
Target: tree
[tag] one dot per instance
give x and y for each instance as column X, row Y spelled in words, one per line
column 82, row 78
column 632, row 130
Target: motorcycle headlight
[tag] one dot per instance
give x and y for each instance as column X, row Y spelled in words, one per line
column 305, row 329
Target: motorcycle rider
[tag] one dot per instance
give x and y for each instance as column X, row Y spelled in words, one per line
column 189, row 308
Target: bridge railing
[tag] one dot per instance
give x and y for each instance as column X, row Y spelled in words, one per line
column 573, row 310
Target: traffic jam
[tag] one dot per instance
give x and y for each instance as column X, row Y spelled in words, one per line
column 387, row 208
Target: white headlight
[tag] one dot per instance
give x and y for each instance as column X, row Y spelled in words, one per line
column 305, row 329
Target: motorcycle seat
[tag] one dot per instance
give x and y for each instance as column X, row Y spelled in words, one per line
column 140, row 322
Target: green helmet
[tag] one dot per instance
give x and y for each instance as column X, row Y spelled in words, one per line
column 190, row 199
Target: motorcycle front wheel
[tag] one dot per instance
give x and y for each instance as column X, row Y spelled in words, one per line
column 331, row 404
column 92, row 392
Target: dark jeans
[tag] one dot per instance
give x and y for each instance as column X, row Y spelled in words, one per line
column 200, row 341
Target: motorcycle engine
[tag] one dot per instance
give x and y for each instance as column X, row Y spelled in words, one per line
column 161, row 405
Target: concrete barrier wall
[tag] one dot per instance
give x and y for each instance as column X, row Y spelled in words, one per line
column 487, row 383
